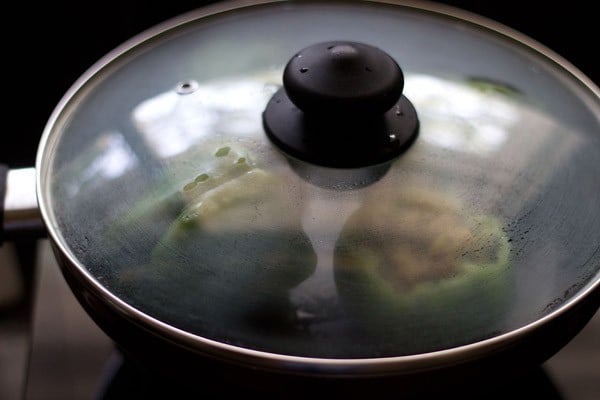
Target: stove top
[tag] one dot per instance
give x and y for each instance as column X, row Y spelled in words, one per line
column 71, row 358
column 126, row 379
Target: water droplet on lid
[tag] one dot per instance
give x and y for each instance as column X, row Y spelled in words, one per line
column 223, row 151
column 303, row 70
column 190, row 186
column 201, row 178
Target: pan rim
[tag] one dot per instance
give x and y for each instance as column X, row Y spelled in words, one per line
column 263, row 359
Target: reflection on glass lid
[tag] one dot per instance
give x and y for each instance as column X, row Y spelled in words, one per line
column 484, row 225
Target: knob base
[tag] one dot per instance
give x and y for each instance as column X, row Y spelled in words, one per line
column 343, row 141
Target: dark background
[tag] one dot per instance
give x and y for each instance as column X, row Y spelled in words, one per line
column 47, row 47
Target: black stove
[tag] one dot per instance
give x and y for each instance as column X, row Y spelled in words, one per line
column 127, row 379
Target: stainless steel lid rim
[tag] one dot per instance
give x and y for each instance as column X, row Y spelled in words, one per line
column 271, row 360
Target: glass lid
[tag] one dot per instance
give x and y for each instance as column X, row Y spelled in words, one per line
column 159, row 178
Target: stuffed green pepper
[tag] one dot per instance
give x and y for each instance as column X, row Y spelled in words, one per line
column 421, row 272
column 226, row 263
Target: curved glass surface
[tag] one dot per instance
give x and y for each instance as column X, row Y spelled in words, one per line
column 159, row 179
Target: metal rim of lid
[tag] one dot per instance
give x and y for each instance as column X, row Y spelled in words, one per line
column 261, row 359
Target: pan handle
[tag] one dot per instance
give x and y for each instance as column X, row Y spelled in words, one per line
column 3, row 178
column 19, row 211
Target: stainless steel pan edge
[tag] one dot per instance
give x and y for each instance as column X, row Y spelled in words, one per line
column 95, row 297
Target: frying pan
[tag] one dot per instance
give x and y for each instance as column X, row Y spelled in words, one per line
column 503, row 144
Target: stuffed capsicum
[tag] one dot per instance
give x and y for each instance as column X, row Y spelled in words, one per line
column 420, row 272
column 227, row 261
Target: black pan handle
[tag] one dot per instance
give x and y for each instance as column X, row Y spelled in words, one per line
column 20, row 216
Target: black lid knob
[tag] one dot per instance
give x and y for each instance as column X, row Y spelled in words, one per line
column 342, row 106
column 343, row 78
